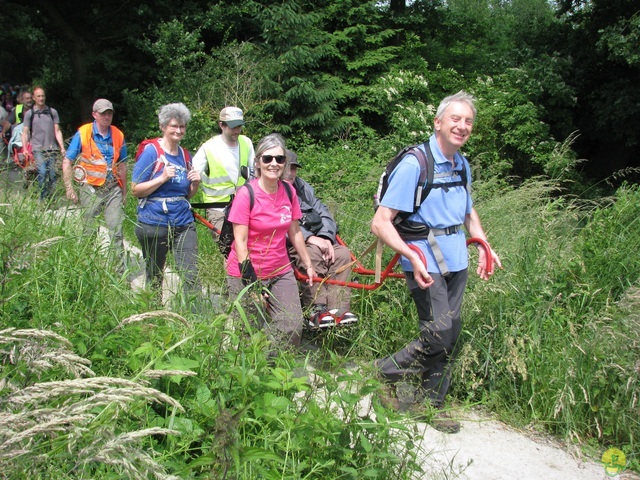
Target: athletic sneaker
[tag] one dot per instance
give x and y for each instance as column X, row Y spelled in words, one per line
column 321, row 318
column 347, row 318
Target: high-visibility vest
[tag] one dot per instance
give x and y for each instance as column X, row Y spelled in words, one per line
column 217, row 185
column 19, row 109
column 92, row 163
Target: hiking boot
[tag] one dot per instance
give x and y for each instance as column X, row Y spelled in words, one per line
column 388, row 398
column 444, row 422
column 439, row 419
column 347, row 318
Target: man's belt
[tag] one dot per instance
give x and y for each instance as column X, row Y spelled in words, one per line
column 453, row 230
column 210, row 205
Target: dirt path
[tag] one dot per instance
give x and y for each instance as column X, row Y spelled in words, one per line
column 486, row 449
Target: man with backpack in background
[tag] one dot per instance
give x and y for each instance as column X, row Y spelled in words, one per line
column 101, row 173
column 330, row 304
column 435, row 227
column 13, row 119
column 41, row 132
column 225, row 163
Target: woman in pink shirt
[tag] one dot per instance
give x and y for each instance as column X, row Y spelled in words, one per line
column 259, row 251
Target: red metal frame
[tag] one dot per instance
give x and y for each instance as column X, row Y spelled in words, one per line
column 360, row 269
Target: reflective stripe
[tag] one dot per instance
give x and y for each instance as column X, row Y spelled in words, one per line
column 217, row 180
column 218, row 193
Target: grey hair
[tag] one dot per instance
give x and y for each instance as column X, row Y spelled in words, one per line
column 462, row 97
column 272, row 140
column 179, row 111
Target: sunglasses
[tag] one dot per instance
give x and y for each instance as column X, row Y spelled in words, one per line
column 267, row 159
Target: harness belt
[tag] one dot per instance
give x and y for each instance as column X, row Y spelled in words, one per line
column 446, row 231
column 437, row 253
column 164, row 200
column 210, row 205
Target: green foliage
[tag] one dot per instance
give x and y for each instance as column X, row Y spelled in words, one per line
column 508, row 134
column 302, row 97
column 406, row 101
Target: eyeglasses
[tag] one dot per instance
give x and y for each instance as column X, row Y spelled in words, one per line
column 267, row 159
column 177, row 127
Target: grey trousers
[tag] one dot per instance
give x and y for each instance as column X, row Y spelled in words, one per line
column 216, row 218
column 107, row 199
column 283, row 320
column 333, row 296
column 430, row 355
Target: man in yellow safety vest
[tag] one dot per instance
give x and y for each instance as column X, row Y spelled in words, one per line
column 225, row 163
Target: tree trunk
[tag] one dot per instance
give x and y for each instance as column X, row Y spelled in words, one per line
column 79, row 51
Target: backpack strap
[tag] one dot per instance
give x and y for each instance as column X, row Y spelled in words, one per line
column 41, row 112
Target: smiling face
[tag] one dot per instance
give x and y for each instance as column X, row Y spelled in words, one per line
column 454, row 128
column 27, row 99
column 272, row 170
column 174, row 130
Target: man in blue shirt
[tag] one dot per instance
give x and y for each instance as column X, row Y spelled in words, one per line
column 437, row 288
column 100, row 174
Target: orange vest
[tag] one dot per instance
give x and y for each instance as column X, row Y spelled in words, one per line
column 91, row 159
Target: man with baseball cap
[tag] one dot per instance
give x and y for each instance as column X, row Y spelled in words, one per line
column 100, row 173
column 225, row 163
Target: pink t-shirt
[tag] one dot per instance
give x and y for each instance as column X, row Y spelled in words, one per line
column 268, row 222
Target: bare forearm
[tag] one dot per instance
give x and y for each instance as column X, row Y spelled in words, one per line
column 67, row 173
column 59, row 139
column 474, row 226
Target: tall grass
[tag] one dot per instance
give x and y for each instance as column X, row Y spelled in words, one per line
column 553, row 340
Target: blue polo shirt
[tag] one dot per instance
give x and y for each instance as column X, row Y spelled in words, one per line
column 104, row 144
column 441, row 209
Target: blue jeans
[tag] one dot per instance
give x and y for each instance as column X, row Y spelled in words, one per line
column 46, row 165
